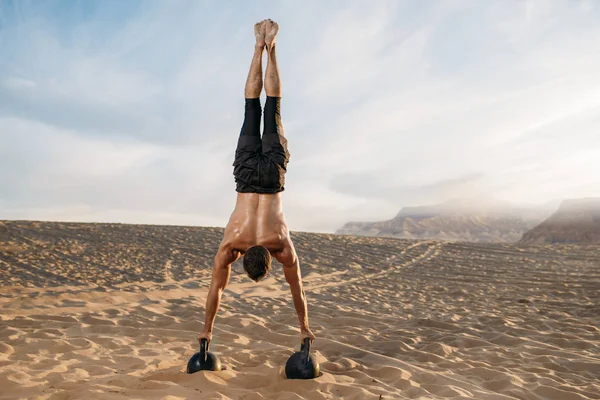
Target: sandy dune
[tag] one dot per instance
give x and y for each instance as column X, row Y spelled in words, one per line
column 112, row 311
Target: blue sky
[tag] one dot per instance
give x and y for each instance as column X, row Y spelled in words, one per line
column 129, row 111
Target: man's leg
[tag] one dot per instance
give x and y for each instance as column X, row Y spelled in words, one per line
column 274, row 144
column 254, row 85
column 272, row 83
column 249, row 142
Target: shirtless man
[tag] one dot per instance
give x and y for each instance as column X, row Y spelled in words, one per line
column 257, row 228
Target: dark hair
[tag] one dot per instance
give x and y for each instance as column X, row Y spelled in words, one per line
column 257, row 262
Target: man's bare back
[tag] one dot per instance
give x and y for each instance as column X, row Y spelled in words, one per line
column 257, row 220
column 257, row 229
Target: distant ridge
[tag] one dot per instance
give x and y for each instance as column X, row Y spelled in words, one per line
column 455, row 220
column 575, row 221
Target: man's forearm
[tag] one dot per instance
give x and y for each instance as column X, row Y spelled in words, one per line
column 212, row 306
column 300, row 305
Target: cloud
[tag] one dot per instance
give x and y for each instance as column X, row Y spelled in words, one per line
column 129, row 111
column 379, row 186
column 105, row 175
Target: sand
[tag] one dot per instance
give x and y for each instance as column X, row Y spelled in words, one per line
column 108, row 311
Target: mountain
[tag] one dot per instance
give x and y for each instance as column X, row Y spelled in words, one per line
column 575, row 221
column 455, row 220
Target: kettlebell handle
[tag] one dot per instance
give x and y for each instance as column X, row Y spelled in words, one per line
column 306, row 348
column 203, row 349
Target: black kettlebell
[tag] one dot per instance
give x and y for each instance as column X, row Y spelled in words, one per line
column 301, row 365
column 203, row 360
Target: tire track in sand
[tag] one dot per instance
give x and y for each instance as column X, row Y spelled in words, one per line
column 432, row 251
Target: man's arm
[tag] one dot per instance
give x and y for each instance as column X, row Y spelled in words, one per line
column 291, row 269
column 220, row 277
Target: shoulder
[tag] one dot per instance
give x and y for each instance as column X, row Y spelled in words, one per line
column 287, row 255
column 227, row 253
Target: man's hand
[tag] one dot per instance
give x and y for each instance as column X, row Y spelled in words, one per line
column 205, row 335
column 306, row 334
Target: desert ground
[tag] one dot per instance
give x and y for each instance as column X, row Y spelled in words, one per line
column 94, row 311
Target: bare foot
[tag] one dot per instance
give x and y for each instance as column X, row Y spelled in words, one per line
column 271, row 29
column 259, row 32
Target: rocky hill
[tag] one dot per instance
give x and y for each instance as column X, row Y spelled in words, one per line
column 455, row 220
column 575, row 221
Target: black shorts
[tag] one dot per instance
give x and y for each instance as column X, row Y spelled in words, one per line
column 260, row 164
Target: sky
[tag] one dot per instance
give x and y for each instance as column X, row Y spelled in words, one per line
column 129, row 111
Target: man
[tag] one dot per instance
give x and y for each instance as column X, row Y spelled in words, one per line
column 257, row 227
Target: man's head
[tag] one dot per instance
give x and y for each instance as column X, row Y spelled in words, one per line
column 257, row 262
